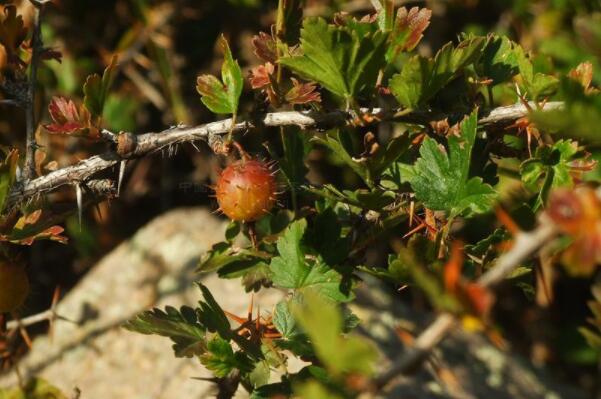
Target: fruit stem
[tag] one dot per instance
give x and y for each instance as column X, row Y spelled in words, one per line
column 291, row 183
column 243, row 154
column 252, row 234
column 232, row 127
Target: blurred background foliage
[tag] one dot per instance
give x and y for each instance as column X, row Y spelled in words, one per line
column 164, row 45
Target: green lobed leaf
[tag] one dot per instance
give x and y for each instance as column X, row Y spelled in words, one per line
column 296, row 146
column 339, row 58
column 222, row 97
column 366, row 199
column 223, row 255
column 536, row 85
column 499, row 60
column 293, row 338
column 291, row 269
column 340, row 145
column 96, row 88
column 421, row 78
column 284, row 322
column 441, row 181
column 211, row 316
column 181, row 326
column 550, row 168
column 325, row 237
column 221, row 359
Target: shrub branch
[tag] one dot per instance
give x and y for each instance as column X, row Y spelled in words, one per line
column 524, row 245
column 150, row 143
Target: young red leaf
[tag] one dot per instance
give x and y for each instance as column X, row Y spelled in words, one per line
column 415, row 22
column 408, row 30
column 67, row 119
column 303, row 93
column 32, row 227
column 264, row 47
column 260, row 76
column 583, row 74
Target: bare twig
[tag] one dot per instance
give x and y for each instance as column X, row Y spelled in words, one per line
column 152, row 142
column 47, row 315
column 37, row 46
column 503, row 115
column 525, row 244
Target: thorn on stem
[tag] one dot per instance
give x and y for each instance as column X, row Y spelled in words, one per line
column 79, row 195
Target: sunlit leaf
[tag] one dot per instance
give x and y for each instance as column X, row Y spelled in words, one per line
column 181, row 326
column 222, row 96
column 221, row 359
column 421, row 78
column 96, row 88
column 338, row 58
column 291, row 269
column 441, row 180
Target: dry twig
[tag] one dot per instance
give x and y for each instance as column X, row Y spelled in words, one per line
column 152, row 142
column 525, row 244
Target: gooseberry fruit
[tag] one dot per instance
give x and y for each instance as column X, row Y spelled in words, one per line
column 246, row 190
column 14, row 286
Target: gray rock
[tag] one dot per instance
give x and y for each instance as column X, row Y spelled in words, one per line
column 154, row 268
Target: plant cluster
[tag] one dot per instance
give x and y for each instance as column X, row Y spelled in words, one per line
column 436, row 161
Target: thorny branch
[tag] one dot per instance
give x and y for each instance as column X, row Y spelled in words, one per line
column 47, row 315
column 149, row 143
column 37, row 46
column 525, row 244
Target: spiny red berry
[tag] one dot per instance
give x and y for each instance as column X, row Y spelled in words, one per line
column 246, row 190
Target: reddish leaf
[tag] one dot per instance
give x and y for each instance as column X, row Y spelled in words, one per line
column 578, row 214
column 264, row 47
column 260, row 76
column 583, row 74
column 414, row 22
column 63, row 110
column 344, row 18
column 32, row 227
column 573, row 211
column 67, row 119
column 408, row 30
column 303, row 93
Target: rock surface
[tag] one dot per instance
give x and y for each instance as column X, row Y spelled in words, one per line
column 154, row 268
